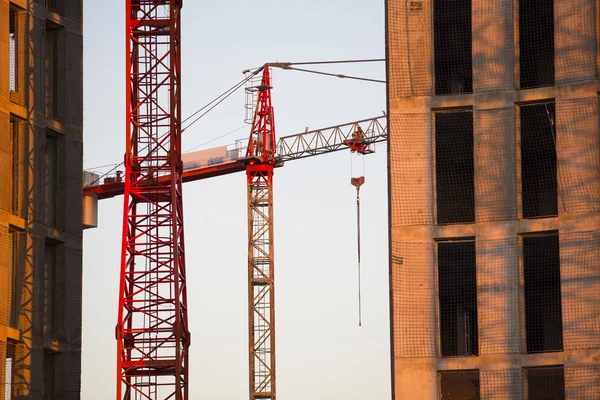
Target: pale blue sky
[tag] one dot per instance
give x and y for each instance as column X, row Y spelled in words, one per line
column 321, row 351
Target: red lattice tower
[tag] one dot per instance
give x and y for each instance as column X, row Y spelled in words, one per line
column 152, row 329
column 261, row 288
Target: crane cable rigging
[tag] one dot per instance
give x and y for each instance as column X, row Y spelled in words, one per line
column 250, row 74
column 289, row 66
column 211, row 105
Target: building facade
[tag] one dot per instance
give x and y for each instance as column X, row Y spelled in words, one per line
column 494, row 189
column 41, row 156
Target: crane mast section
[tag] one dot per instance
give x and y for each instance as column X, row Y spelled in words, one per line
column 261, row 264
column 152, row 327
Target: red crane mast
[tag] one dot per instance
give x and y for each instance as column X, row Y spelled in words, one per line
column 152, row 328
column 261, row 284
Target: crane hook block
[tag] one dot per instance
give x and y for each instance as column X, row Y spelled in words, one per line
column 358, row 182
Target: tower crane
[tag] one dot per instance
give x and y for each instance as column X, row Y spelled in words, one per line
column 152, row 332
column 265, row 153
column 152, row 327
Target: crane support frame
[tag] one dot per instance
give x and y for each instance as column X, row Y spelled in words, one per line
column 152, row 328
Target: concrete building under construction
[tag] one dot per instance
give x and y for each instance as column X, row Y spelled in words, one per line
column 41, row 133
column 494, row 199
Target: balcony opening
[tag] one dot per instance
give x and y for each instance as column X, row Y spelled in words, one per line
column 536, row 43
column 452, row 46
column 455, row 190
column 543, row 312
column 457, row 298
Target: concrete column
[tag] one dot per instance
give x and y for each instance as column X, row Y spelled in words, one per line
column 580, row 288
column 495, row 165
column 501, row 384
column 414, row 320
column 410, row 48
column 575, row 45
column 578, row 155
column 582, row 382
column 415, row 378
column 493, row 59
column 411, row 169
column 498, row 295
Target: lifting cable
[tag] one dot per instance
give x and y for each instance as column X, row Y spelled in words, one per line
column 357, row 182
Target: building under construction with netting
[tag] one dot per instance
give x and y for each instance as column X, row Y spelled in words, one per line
column 494, row 151
column 41, row 157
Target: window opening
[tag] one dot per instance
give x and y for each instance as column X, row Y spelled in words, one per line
column 545, row 383
column 539, row 187
column 536, row 43
column 459, row 385
column 51, row 178
column 50, row 290
column 457, row 298
column 49, row 375
column 15, row 238
column 543, row 312
column 452, row 46
column 455, row 191
column 51, row 66
column 17, row 156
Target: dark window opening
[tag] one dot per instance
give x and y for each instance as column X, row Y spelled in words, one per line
column 536, row 42
column 458, row 298
column 543, row 312
column 50, row 290
column 52, row 70
column 452, row 46
column 538, row 161
column 12, row 37
column 545, row 383
column 15, row 270
column 49, row 375
column 51, row 153
column 17, row 165
column 459, row 385
column 455, row 190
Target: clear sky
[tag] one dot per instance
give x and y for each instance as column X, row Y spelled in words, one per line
column 321, row 351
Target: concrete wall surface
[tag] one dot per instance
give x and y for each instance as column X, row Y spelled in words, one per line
column 505, row 368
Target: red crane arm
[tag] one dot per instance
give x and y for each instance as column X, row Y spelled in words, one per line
column 291, row 147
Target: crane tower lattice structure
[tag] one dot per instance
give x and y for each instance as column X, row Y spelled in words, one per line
column 261, row 288
column 152, row 329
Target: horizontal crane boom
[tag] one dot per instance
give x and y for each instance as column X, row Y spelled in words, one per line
column 291, row 147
